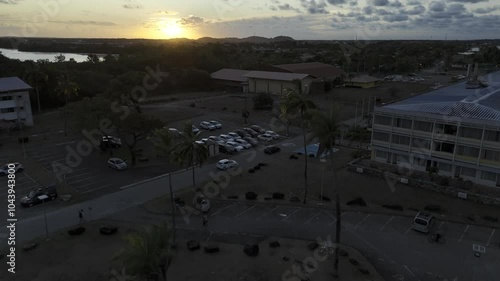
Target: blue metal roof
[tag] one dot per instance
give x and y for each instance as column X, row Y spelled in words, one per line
column 457, row 101
column 8, row 84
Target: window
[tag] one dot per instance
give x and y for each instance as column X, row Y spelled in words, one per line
column 490, row 135
column 7, row 98
column 468, row 172
column 419, row 161
column 421, row 143
column 444, row 147
column 402, row 123
column 489, row 176
column 471, row 133
column 7, row 110
column 423, row 126
column 491, row 155
column 468, row 151
column 402, row 140
column 444, row 167
column 383, row 120
column 379, row 136
column 446, row 129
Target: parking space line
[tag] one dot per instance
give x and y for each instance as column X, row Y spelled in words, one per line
column 309, row 220
column 74, row 176
column 360, row 222
column 219, row 211
column 72, row 182
column 441, row 225
column 41, row 159
column 411, row 273
column 387, row 223
column 101, row 187
column 49, row 162
column 462, row 236
column 335, row 219
column 292, row 213
column 267, row 213
column 79, row 187
column 408, row 230
column 248, row 209
column 491, row 236
column 36, row 155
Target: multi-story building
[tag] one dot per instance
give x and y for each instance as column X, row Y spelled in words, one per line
column 455, row 129
column 15, row 106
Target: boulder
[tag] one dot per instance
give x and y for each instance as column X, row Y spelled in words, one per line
column 251, row 195
column 256, row 168
column 193, row 245
column 108, row 230
column 274, row 244
column 232, row 197
column 76, row 231
column 358, row 201
column 251, row 250
column 278, row 195
column 211, row 248
column 251, row 171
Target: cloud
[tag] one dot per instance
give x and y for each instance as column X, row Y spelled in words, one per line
column 469, row 1
column 287, row 7
column 380, row 2
column 437, row 6
column 381, row 12
column 393, row 18
column 413, row 2
column 336, row 2
column 396, row 4
column 10, row 1
column 313, row 7
column 486, row 10
column 368, row 10
column 192, row 21
column 415, row 10
column 353, row 3
column 82, row 22
column 132, row 6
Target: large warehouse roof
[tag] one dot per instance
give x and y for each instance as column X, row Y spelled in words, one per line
column 456, row 101
column 315, row 69
column 230, row 74
column 280, row 76
column 8, row 84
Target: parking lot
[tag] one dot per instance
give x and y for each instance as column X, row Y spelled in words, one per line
column 269, row 214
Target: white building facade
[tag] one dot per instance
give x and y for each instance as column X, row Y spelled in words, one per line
column 15, row 105
column 454, row 129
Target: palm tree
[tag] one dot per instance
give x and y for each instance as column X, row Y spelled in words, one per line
column 188, row 152
column 67, row 89
column 325, row 128
column 149, row 253
column 296, row 104
column 35, row 76
column 163, row 141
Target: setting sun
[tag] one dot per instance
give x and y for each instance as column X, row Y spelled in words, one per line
column 172, row 29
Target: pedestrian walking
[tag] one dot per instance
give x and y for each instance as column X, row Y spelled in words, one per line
column 80, row 215
column 205, row 219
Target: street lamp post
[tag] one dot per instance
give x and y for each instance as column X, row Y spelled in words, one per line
column 43, row 198
column 323, row 160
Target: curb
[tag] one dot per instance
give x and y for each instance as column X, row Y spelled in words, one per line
column 154, row 178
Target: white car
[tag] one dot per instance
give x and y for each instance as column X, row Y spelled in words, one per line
column 226, row 137
column 5, row 168
column 243, row 143
column 207, row 126
column 234, row 135
column 273, row 134
column 250, row 131
column 225, row 164
column 216, row 139
column 195, row 130
column 216, row 124
column 236, row 145
column 258, row 129
column 175, row 132
column 265, row 137
column 117, row 164
column 202, row 141
column 252, row 141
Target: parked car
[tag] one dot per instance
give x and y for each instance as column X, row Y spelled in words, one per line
column 273, row 134
column 242, row 133
column 110, row 141
column 265, row 137
column 252, row 141
column 227, row 149
column 243, row 143
column 207, row 126
column 225, row 164
column 233, row 135
column 423, row 222
column 216, row 124
column 39, row 195
column 175, row 132
column 5, row 168
column 195, row 130
column 216, row 139
column 117, row 164
column 251, row 132
column 236, row 145
column 258, row 129
column 272, row 149
column 226, row 137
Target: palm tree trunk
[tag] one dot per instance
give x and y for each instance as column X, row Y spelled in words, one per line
column 194, row 183
column 338, row 224
column 173, row 203
column 38, row 98
column 305, row 159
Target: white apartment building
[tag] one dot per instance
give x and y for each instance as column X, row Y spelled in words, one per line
column 454, row 129
column 15, row 106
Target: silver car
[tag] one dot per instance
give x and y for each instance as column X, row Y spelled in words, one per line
column 117, row 164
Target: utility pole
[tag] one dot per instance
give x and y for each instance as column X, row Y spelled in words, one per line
column 362, row 109
column 356, row 116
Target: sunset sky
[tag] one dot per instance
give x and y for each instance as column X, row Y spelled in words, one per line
column 300, row 19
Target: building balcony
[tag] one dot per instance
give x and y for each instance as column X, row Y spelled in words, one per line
column 489, row 163
column 8, row 104
column 491, row 144
column 471, row 142
column 401, row 130
column 444, row 137
column 443, row 155
column 380, row 143
column 422, row 134
column 467, row 159
column 384, row 128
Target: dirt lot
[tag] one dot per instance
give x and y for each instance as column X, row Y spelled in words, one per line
column 92, row 256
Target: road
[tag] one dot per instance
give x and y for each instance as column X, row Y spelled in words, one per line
column 388, row 242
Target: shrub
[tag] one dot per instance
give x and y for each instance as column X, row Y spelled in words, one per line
column 251, row 171
column 433, row 208
column 354, row 262
column 491, row 219
column 393, row 207
column 256, row 168
column 251, row 195
column 278, row 195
